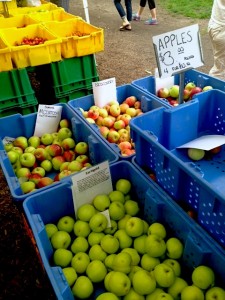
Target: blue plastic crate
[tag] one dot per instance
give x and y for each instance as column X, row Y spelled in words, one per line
column 147, row 84
column 47, row 207
column 18, row 125
column 148, row 103
column 199, row 185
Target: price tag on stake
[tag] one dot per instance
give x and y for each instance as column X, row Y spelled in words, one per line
column 177, row 51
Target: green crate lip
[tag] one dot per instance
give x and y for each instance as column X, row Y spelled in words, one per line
column 72, row 96
column 26, row 110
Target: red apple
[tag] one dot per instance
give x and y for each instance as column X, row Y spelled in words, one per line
column 93, row 113
column 124, row 145
column 130, row 100
column 186, row 94
column 69, row 155
column 104, row 131
column 54, row 150
column 44, row 181
column 113, row 136
column 216, row 150
column 195, row 91
column 123, row 107
column 114, row 110
column 163, row 93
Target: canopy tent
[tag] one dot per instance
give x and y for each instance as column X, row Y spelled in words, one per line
column 85, row 5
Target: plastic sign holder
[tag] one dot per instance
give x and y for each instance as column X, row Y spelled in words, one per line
column 178, row 51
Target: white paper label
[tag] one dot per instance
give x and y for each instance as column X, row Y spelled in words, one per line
column 89, row 183
column 104, row 91
column 48, row 118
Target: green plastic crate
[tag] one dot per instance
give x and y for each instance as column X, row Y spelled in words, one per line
column 15, row 90
column 69, row 75
column 19, row 110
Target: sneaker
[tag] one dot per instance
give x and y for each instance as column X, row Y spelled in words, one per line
column 135, row 17
column 151, row 22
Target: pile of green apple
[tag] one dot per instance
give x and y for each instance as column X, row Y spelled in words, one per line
column 130, row 258
column 172, row 93
column 113, row 121
column 41, row 161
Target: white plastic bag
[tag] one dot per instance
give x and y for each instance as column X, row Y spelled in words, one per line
column 32, row 3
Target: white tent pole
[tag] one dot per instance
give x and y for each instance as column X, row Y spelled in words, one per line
column 85, row 5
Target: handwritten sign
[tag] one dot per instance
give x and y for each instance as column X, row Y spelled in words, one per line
column 178, row 50
column 104, row 91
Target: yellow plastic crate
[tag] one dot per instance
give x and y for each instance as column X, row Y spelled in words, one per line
column 43, row 8
column 18, row 21
column 91, row 39
column 26, row 55
column 54, row 15
column 5, row 57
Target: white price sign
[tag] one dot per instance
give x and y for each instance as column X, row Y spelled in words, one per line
column 178, row 50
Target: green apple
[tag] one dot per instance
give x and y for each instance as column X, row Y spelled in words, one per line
column 64, row 133
column 60, row 239
column 50, row 228
column 158, row 229
column 164, row 296
column 112, row 229
column 80, row 261
column 122, row 262
column 96, row 252
column 94, row 238
column 75, row 166
column 143, row 282
column 64, row 123
column 29, row 149
column 98, row 222
column 81, row 148
column 176, row 288
column 46, row 165
column 215, row 293
column 27, row 186
column 8, row 146
column 79, row 244
column 70, row 275
column 109, row 261
column 148, row 263
column 85, row 212
column 174, row 264
column 62, row 257
column 131, row 207
column 203, row 277
column 12, row 156
column 81, row 228
column 133, row 270
column 20, row 141
column 66, row 223
column 83, row 287
column 189, row 86
column 17, row 150
column 174, row 248
column 155, row 246
column 123, row 185
column 109, row 244
column 125, row 240
column 133, row 295
column 107, row 296
column 96, row 271
column 192, row 292
column 27, row 160
column 164, row 275
column 174, row 91
column 119, row 283
column 34, row 141
column 23, row 173
column 207, row 88
column 101, row 202
column 139, row 243
column 122, row 222
column 154, row 294
column 135, row 257
column 68, row 143
column 38, row 170
column 116, row 196
column 46, row 139
column 195, row 154
column 134, row 227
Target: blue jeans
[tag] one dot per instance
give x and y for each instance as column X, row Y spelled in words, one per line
column 121, row 10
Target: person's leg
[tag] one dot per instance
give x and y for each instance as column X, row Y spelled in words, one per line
column 121, row 11
column 152, row 8
column 217, row 37
column 128, row 9
column 137, row 16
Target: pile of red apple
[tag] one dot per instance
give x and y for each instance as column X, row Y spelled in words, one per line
column 113, row 122
column 31, row 41
column 41, row 161
column 130, row 257
column 172, row 93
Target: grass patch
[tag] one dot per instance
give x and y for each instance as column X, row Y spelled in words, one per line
column 195, row 9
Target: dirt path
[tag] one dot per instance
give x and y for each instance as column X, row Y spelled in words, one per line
column 128, row 55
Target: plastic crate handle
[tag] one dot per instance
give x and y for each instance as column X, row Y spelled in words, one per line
column 197, row 169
